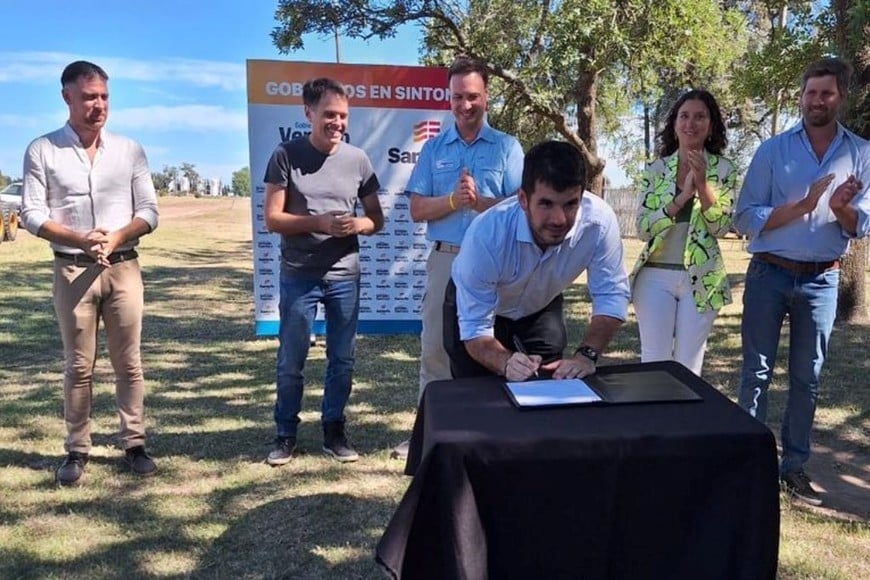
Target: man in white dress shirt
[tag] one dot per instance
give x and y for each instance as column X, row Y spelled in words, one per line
column 89, row 193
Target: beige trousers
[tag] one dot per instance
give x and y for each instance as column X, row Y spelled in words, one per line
column 434, row 362
column 82, row 296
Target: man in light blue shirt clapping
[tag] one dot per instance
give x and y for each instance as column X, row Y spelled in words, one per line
column 804, row 197
column 462, row 172
column 503, row 309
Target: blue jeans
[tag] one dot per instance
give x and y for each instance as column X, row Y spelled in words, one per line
column 810, row 300
column 299, row 298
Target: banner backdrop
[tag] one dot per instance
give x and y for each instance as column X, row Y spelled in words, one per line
column 393, row 111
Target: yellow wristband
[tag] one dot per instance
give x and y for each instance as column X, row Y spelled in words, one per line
column 450, row 201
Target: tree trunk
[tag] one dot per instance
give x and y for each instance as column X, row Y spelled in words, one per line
column 852, row 297
column 585, row 93
column 647, row 143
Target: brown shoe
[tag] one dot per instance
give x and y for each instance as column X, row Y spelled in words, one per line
column 139, row 462
column 72, row 469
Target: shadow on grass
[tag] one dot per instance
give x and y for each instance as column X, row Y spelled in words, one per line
column 27, row 315
column 842, row 388
column 210, row 394
column 311, row 537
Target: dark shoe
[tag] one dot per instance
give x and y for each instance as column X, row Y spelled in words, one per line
column 799, row 485
column 400, row 451
column 72, row 469
column 335, row 443
column 283, row 451
column 139, row 462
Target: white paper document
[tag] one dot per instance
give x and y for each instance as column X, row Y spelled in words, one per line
column 551, row 392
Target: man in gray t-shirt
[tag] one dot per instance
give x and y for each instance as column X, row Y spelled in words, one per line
column 313, row 185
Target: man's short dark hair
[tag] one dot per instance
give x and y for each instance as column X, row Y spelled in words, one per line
column 464, row 65
column 835, row 67
column 314, row 89
column 554, row 163
column 81, row 69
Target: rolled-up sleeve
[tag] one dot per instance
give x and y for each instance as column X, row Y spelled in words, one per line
column 861, row 202
column 144, row 196
column 608, row 282
column 34, row 202
column 475, row 274
column 754, row 203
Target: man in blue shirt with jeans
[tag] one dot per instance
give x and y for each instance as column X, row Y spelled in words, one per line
column 804, row 197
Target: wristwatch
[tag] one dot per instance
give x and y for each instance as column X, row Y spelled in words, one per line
column 588, row 352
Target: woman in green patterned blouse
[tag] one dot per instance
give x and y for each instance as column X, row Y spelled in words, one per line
column 679, row 281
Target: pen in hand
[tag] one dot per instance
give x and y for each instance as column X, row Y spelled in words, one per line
column 518, row 344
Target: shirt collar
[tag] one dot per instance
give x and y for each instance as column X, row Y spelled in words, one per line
column 799, row 128
column 486, row 133
column 70, row 133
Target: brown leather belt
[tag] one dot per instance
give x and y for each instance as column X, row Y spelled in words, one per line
column 798, row 267
column 445, row 247
column 85, row 260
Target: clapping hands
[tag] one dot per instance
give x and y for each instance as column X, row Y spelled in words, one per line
column 845, row 192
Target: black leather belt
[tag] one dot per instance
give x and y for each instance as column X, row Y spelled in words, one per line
column 445, row 247
column 796, row 266
column 85, row 260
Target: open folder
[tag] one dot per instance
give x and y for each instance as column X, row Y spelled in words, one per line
column 613, row 388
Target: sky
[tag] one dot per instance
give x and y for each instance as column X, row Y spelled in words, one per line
column 176, row 73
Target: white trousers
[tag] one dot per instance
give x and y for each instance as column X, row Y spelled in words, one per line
column 671, row 328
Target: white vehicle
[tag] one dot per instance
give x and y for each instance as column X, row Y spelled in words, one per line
column 10, row 207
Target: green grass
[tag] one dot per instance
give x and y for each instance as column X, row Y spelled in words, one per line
column 216, row 510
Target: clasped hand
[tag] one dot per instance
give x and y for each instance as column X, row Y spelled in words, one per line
column 697, row 174
column 99, row 244
column 465, row 193
column 339, row 224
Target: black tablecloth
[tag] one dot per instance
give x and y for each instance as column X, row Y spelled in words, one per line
column 657, row 490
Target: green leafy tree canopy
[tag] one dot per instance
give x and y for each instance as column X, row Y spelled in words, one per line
column 551, row 58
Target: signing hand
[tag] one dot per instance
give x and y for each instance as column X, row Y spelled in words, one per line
column 465, row 193
column 845, row 192
column 520, row 366
column 818, row 187
column 571, row 368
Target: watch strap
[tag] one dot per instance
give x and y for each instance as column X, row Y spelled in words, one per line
column 588, row 352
